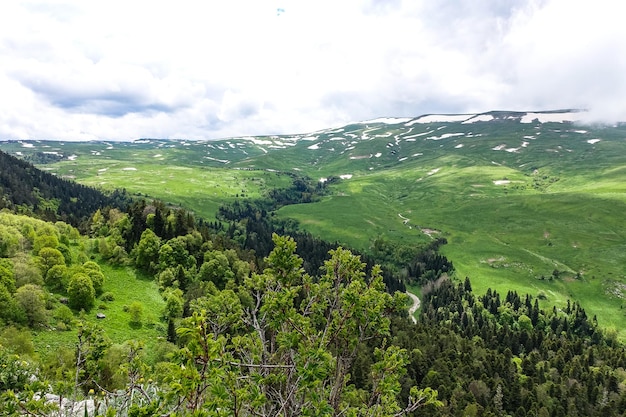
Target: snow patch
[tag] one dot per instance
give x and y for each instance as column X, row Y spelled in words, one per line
column 314, row 147
column 129, row 169
column 501, row 182
column 592, row 141
column 158, row 155
column 550, row 117
column 445, row 136
column 260, row 141
column 418, row 134
column 27, row 145
column 460, row 145
column 378, row 155
column 72, row 157
column 323, row 180
column 345, row 176
column 433, row 171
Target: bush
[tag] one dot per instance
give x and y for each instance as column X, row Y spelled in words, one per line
column 81, row 292
column 136, row 312
column 64, row 316
column 107, row 296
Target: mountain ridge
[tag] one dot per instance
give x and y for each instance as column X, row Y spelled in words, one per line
column 476, row 117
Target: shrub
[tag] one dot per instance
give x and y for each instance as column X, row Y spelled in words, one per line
column 107, row 296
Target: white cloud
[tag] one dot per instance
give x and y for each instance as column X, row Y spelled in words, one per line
column 209, row 69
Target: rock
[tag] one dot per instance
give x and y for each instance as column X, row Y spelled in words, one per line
column 100, row 316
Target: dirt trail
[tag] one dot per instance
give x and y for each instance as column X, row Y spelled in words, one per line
column 414, row 307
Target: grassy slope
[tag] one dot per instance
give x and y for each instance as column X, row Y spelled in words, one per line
column 127, row 285
column 175, row 173
column 562, row 209
column 502, row 236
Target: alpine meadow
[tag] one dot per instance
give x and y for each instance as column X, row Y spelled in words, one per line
column 265, row 275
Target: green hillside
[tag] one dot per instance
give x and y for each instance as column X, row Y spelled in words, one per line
column 536, row 207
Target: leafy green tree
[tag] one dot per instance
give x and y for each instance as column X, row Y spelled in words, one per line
column 63, row 314
column 45, row 241
column 174, row 253
column 94, row 272
column 146, row 253
column 98, row 224
column 174, row 303
column 524, row 322
column 166, row 257
column 67, row 254
column 91, row 349
column 26, row 272
column 10, row 310
column 81, row 292
column 167, row 278
column 49, row 257
column 7, row 277
column 136, row 312
column 9, row 242
column 289, row 349
column 216, row 269
column 32, row 300
column 57, row 278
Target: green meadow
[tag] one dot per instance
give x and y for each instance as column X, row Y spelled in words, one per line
column 504, row 237
column 537, row 208
column 127, row 286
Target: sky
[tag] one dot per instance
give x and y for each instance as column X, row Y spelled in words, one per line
column 187, row 69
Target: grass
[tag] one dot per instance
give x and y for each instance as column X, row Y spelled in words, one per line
column 200, row 189
column 127, row 286
column 501, row 241
column 558, row 204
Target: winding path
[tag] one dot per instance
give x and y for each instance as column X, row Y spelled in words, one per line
column 414, row 307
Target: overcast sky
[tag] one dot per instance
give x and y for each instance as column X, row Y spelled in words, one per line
column 122, row 70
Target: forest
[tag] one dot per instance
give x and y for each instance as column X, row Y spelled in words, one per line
column 261, row 319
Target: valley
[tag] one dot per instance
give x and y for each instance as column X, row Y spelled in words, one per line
column 526, row 201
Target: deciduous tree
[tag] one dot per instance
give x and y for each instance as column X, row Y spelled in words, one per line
column 32, row 300
column 81, row 292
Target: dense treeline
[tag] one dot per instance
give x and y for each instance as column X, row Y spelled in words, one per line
column 491, row 355
column 28, row 190
column 253, row 226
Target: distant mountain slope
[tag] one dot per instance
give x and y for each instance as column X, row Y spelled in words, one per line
column 25, row 188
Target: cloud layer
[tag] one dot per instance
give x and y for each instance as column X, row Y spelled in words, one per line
column 114, row 70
